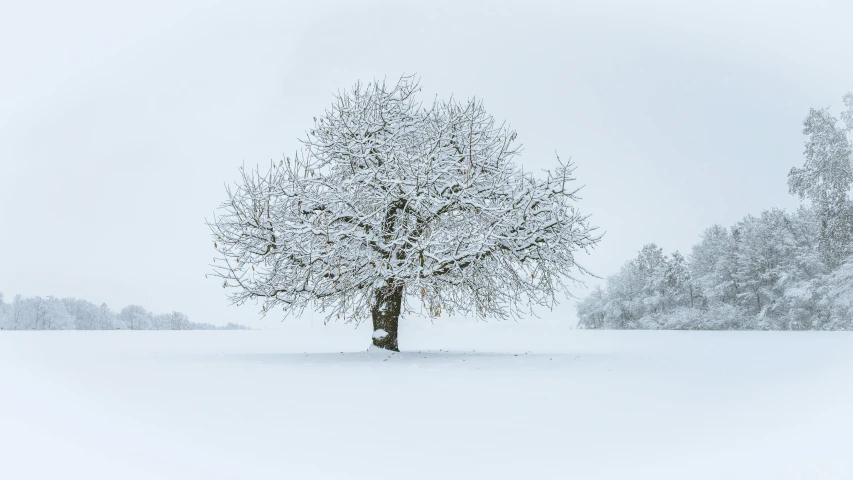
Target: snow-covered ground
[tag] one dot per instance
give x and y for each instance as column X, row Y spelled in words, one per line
column 580, row 404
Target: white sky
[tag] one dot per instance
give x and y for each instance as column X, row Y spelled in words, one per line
column 119, row 124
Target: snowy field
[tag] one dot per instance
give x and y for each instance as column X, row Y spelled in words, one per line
column 580, row 404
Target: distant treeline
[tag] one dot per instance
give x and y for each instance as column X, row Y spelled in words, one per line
column 38, row 313
column 765, row 273
column 776, row 271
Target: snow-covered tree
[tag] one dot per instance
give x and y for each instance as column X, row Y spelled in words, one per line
column 14, row 315
column 626, row 304
column 837, row 300
column 646, row 293
column 826, row 179
column 106, row 318
column 393, row 207
column 713, row 265
column 766, row 247
column 592, row 311
column 56, row 317
column 679, row 282
column 171, row 321
column 134, row 317
column 39, row 313
column 652, row 267
column 4, row 313
column 86, row 315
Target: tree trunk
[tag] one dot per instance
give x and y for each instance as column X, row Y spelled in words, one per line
column 386, row 315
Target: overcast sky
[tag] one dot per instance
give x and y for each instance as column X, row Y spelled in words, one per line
column 120, row 124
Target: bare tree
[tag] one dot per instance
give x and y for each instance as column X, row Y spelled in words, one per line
column 393, row 208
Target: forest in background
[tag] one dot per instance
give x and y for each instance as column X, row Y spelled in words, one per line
column 51, row 313
column 774, row 271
